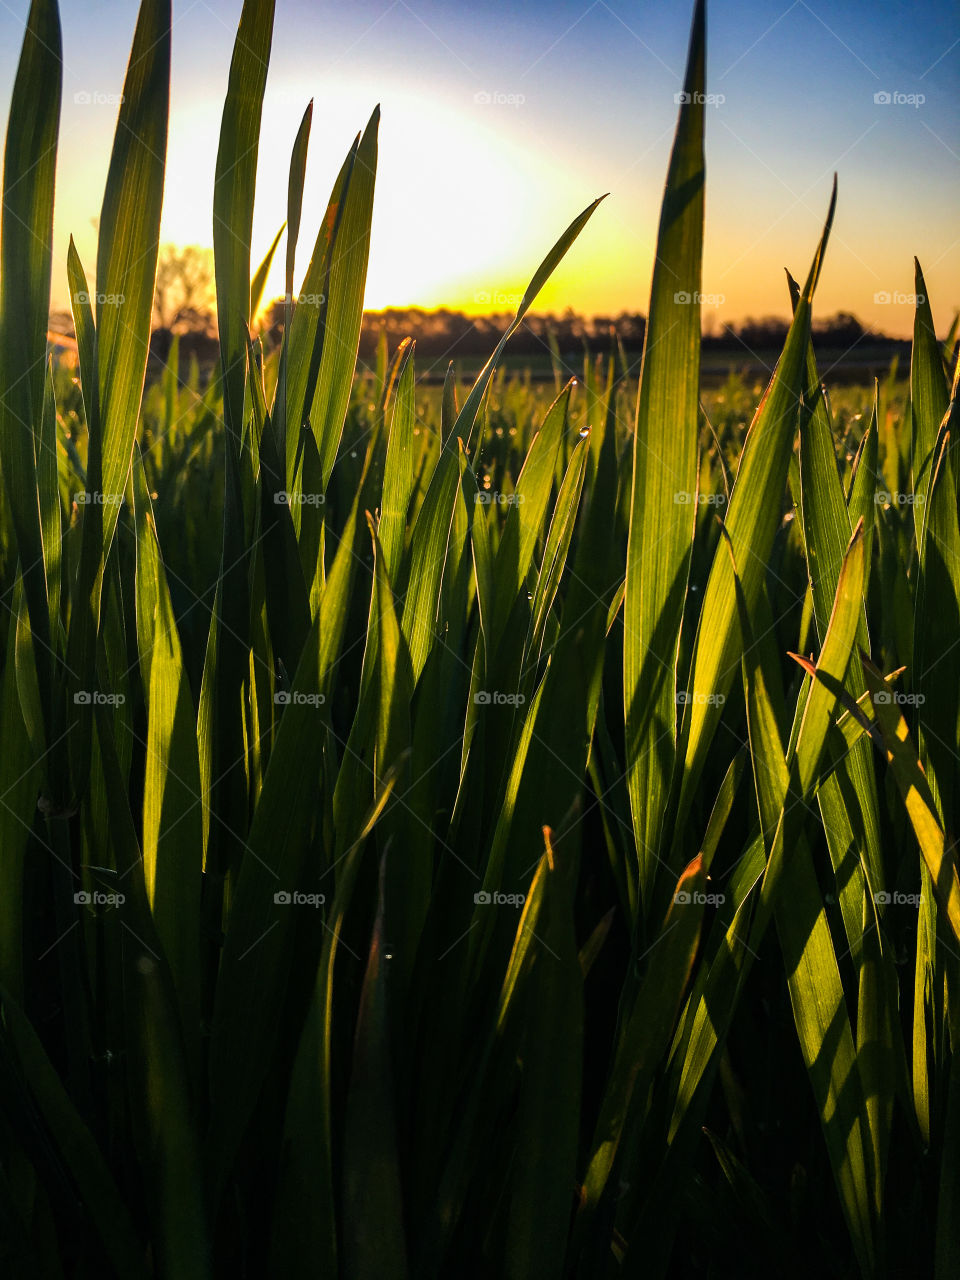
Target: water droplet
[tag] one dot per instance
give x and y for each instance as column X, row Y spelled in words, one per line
column 353, row 453
column 529, row 595
column 584, row 432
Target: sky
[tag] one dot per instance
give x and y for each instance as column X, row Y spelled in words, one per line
column 501, row 121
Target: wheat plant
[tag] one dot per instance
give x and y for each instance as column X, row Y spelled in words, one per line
column 465, row 834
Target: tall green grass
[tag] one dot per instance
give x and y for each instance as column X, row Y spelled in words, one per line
column 468, row 834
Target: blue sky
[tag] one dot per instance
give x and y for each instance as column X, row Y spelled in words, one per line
column 501, row 121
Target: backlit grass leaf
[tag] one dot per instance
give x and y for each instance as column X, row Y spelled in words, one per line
column 343, row 304
column 665, row 446
column 173, row 846
column 127, row 247
column 928, row 393
column 751, row 522
column 937, row 853
column 26, row 248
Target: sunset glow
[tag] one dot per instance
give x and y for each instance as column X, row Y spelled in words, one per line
column 498, row 128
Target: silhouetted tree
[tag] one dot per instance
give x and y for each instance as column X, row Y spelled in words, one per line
column 185, row 294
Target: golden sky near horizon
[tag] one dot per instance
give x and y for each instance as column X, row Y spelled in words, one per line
column 494, row 137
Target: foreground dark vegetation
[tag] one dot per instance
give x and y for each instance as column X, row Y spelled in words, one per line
column 489, row 830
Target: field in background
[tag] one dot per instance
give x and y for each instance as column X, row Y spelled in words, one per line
column 183, row 463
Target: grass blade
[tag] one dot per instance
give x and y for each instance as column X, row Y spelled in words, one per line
column 663, row 508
